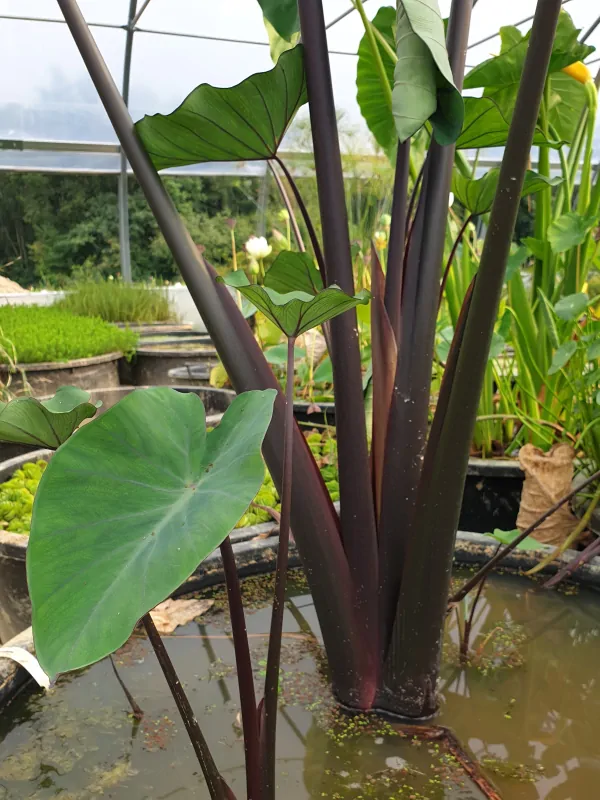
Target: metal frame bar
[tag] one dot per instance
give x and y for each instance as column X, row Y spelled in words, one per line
column 515, row 25
column 124, row 240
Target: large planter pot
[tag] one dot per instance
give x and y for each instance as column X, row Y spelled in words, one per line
column 46, row 377
column 156, row 328
column 321, row 752
column 164, row 365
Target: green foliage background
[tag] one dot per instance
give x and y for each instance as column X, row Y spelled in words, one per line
column 61, row 227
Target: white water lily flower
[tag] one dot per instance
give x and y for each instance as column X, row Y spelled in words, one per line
column 258, row 247
column 29, row 662
column 451, row 200
column 380, row 238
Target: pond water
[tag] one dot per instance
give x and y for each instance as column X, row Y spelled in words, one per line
column 527, row 707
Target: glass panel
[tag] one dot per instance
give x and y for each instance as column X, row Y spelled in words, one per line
column 49, row 94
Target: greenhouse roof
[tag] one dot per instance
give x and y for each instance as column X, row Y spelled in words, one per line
column 51, row 118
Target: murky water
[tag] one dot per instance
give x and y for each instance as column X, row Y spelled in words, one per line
column 527, row 707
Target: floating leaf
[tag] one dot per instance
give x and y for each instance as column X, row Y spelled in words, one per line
column 569, row 230
column 562, row 357
column 294, row 272
column 282, row 15
column 242, row 123
column 423, row 83
column 295, row 312
column 371, row 100
column 477, row 195
column 508, row 537
column 572, row 306
column 128, row 508
column 46, row 423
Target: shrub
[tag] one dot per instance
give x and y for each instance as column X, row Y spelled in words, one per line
column 114, row 301
column 50, row 334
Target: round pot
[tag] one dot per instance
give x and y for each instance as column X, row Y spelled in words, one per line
column 46, row 377
column 313, row 745
column 154, row 328
column 165, row 366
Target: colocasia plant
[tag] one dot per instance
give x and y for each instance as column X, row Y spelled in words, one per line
column 135, row 499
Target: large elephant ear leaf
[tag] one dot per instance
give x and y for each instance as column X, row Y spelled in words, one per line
column 296, row 312
column 128, row 508
column 45, row 423
column 423, row 84
column 241, row 123
column 369, row 91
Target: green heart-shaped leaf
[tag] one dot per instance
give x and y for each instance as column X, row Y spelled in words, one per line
column 569, row 230
column 486, row 125
column 477, row 195
column 128, row 508
column 562, row 357
column 282, row 15
column 572, row 306
column 242, row 123
column 295, row 312
column 369, row 92
column 506, row 69
column 423, row 83
column 500, row 77
column 46, row 423
column 294, row 272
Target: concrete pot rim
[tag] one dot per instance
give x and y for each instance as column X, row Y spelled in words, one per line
column 43, row 366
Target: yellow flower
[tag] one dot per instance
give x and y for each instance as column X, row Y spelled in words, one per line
column 579, row 71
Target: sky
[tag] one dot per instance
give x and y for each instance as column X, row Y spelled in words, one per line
column 45, row 91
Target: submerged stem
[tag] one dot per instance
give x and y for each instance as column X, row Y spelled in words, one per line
column 244, row 671
column 269, row 723
column 216, row 784
column 135, row 709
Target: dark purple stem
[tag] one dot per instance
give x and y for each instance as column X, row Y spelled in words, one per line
column 413, row 199
column 244, row 671
column 582, row 558
column 269, row 726
column 464, row 645
column 215, row 782
column 395, row 258
column 451, row 258
column 135, row 709
column 314, row 239
column 487, row 568
column 287, row 203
